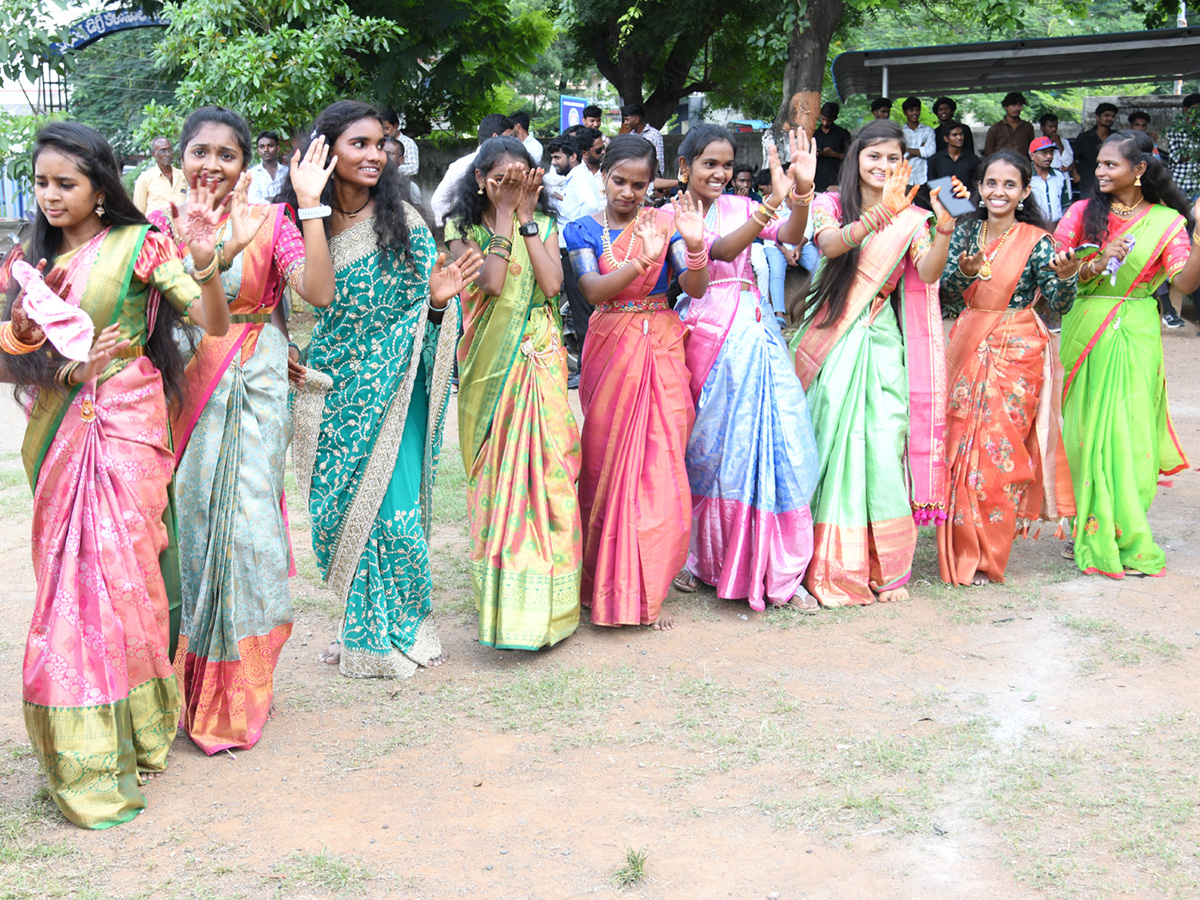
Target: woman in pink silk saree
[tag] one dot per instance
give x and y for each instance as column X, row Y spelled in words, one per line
column 633, row 489
column 101, row 703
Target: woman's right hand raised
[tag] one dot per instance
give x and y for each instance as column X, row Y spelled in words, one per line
column 507, row 193
column 896, row 194
column 653, row 237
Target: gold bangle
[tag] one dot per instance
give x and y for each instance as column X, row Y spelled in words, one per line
column 13, row 345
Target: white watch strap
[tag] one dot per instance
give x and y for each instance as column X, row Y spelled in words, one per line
column 314, row 212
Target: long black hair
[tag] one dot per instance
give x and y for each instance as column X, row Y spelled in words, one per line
column 94, row 158
column 468, row 203
column 1025, row 212
column 832, row 289
column 390, row 192
column 1157, row 185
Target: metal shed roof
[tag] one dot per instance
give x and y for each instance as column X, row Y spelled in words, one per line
column 998, row 66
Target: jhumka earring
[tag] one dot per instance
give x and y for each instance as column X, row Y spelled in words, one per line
column 100, row 209
column 1137, row 182
column 683, row 177
column 1020, row 204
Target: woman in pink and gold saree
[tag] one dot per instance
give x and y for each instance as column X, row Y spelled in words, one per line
column 101, row 703
column 871, row 356
column 634, row 387
column 1116, row 424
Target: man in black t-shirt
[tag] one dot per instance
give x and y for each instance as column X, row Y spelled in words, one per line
column 945, row 108
column 1087, row 145
column 832, row 143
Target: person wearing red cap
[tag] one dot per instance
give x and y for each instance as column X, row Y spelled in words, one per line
column 1049, row 185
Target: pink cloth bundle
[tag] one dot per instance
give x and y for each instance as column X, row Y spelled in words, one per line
column 67, row 326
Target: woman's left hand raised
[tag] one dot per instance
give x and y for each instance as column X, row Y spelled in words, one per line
column 803, row 170
column 244, row 220
column 447, row 281
column 531, row 189
column 104, row 350
column 200, row 221
column 311, row 173
column 688, row 221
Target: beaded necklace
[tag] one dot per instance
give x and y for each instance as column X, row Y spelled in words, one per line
column 606, row 241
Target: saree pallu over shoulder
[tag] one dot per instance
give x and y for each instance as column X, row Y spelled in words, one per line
column 230, row 440
column 100, row 696
column 1005, row 460
column 375, row 449
column 104, row 287
column 1117, row 427
column 924, row 353
column 633, row 488
column 521, row 498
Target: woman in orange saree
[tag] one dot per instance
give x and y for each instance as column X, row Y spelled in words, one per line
column 1004, row 457
column 1116, row 424
column 101, row 702
column 871, row 357
column 634, row 386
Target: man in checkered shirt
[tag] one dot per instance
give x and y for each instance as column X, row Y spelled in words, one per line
column 1183, row 142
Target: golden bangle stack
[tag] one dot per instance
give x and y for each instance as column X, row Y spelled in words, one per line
column 801, row 201
column 65, row 372
column 13, row 345
column 205, row 275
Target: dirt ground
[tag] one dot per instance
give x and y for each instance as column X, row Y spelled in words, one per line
column 1038, row 739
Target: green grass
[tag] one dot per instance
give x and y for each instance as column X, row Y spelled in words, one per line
column 324, row 871
column 1119, row 644
column 632, row 870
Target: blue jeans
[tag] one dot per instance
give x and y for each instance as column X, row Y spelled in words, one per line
column 778, row 265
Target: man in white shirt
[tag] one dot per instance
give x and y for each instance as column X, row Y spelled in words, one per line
column 490, row 126
column 1064, row 156
column 919, row 140
column 266, row 179
column 1049, row 184
column 520, row 122
column 411, row 155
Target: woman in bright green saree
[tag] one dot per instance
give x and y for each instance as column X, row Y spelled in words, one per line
column 1116, row 426
column 366, row 447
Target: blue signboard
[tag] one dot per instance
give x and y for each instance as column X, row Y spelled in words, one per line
column 570, row 111
column 92, row 28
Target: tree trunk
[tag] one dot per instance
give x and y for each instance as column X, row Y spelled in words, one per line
column 804, row 74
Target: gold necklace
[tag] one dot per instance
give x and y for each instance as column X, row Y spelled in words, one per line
column 1124, row 211
column 985, row 268
column 606, row 241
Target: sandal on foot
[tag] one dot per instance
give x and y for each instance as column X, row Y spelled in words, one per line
column 686, row 583
column 1068, row 551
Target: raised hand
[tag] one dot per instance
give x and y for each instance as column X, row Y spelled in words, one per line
column 960, row 190
column 688, row 221
column 24, row 328
column 1117, row 250
column 531, row 190
column 199, row 222
column 971, row 263
column 896, row 195
column 244, row 220
column 804, row 160
column 311, row 173
column 1065, row 264
column 507, row 192
column 104, row 350
column 780, row 182
column 945, row 221
column 653, row 238
column 447, row 281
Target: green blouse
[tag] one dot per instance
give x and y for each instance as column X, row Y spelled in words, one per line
column 1059, row 294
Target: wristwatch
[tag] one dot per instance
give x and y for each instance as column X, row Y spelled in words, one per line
column 529, row 229
column 313, row 212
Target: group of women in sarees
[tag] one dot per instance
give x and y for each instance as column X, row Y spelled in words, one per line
column 153, row 360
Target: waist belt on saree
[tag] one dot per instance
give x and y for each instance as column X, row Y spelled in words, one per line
column 653, row 303
column 249, row 318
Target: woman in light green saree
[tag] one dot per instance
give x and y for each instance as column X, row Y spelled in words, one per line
column 1117, row 429
column 370, row 412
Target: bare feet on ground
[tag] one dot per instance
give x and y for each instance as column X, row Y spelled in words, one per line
column 980, row 579
column 895, row 596
column 438, row 660
column 663, row 623
column 331, row 655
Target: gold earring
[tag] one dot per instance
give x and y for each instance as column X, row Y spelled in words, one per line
column 480, row 191
column 683, row 177
column 100, row 209
column 1137, row 182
